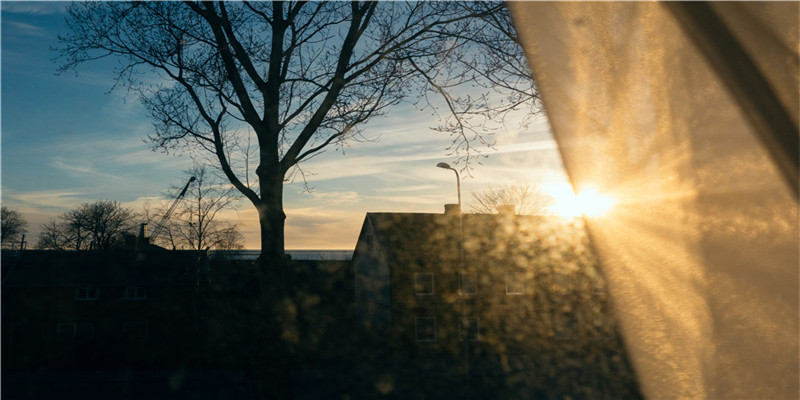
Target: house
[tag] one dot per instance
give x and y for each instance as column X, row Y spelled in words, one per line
column 101, row 309
column 513, row 302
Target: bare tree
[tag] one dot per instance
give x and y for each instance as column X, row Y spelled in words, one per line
column 525, row 198
column 300, row 77
column 12, row 226
column 90, row 226
column 196, row 223
column 57, row 234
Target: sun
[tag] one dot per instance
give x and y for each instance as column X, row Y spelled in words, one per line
column 588, row 202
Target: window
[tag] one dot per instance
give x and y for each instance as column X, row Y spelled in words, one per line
column 136, row 293
column 566, row 326
column 66, row 332
column 423, row 283
column 87, row 293
column 70, row 332
column 600, row 290
column 425, row 329
column 467, row 284
column 562, row 284
column 468, row 329
column 84, row 331
column 515, row 283
column 136, row 331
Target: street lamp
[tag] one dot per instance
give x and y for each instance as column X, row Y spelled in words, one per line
column 462, row 271
column 458, row 180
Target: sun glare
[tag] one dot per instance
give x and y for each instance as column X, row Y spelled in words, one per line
column 589, row 202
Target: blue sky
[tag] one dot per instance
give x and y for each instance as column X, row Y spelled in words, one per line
column 68, row 139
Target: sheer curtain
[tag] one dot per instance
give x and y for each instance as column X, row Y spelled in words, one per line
column 701, row 250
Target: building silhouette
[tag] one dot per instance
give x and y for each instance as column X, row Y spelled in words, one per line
column 513, row 307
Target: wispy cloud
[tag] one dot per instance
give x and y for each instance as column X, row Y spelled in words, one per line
column 412, row 188
column 78, row 169
column 34, row 7
column 334, row 198
column 46, row 199
column 428, row 200
column 23, row 29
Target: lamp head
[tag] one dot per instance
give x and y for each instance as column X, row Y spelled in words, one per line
column 444, row 165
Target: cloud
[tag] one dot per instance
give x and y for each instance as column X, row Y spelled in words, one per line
column 23, row 29
column 430, row 200
column 413, row 188
column 332, row 198
column 34, row 7
column 53, row 200
column 79, row 168
column 539, row 145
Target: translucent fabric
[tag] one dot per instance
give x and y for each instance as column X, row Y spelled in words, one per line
column 700, row 250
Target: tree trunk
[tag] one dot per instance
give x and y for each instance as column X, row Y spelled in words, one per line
column 270, row 366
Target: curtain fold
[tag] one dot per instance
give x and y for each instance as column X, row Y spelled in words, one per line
column 701, row 249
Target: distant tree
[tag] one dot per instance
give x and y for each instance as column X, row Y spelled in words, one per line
column 57, row 234
column 525, row 198
column 91, row 226
column 196, row 223
column 12, row 226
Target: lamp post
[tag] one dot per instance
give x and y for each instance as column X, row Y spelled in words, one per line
column 458, row 180
column 462, row 271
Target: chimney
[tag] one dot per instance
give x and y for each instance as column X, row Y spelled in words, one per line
column 143, row 231
column 506, row 209
column 142, row 238
column 452, row 209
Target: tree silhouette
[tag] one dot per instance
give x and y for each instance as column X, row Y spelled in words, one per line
column 90, row 226
column 12, row 225
column 525, row 198
column 195, row 224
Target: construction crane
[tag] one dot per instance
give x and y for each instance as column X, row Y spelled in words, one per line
column 164, row 219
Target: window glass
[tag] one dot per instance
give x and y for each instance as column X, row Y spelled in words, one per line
column 87, row 293
column 136, row 293
column 469, row 328
column 468, row 283
column 65, row 332
column 423, row 283
column 425, row 329
column 515, row 283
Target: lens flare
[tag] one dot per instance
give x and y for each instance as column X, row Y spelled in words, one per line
column 589, row 202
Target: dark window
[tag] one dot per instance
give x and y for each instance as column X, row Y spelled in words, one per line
column 423, row 283
column 468, row 283
column 562, row 284
column 65, row 333
column 566, row 326
column 136, row 293
column 515, row 283
column 84, row 332
column 87, row 293
column 425, row 329
column 136, row 331
column 469, row 328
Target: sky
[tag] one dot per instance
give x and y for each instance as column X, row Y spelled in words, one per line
column 70, row 139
